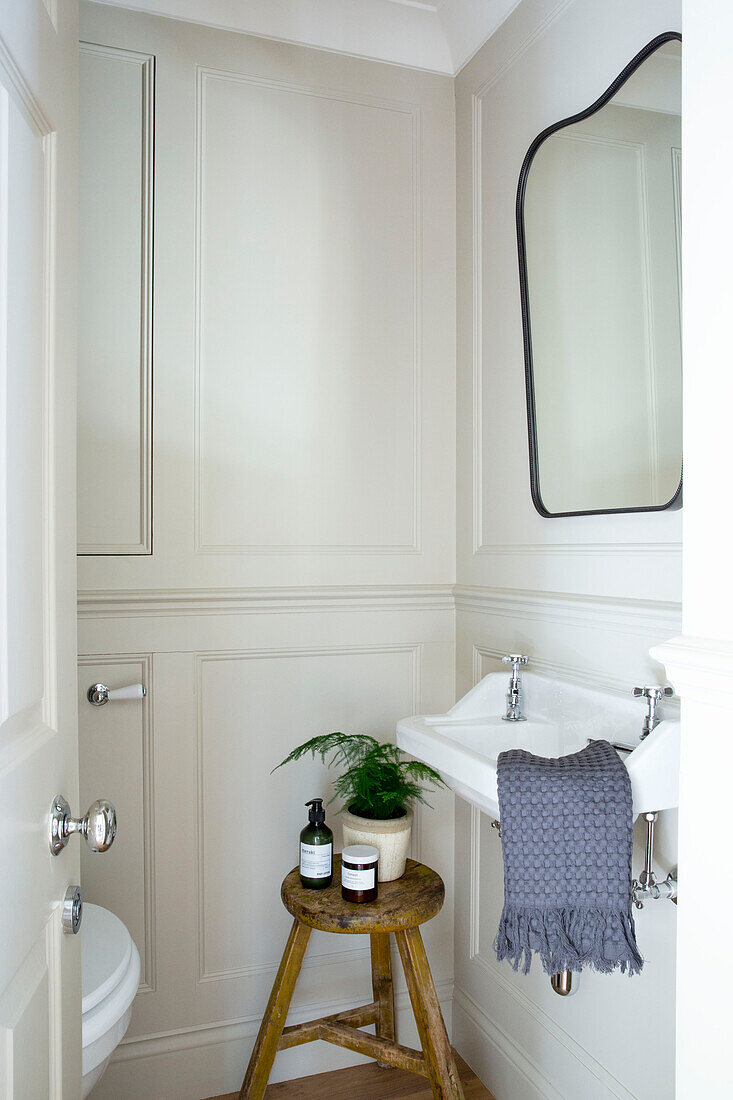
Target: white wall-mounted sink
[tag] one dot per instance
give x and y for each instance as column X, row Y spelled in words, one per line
column 465, row 743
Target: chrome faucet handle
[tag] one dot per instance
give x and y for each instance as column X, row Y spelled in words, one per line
column 514, row 691
column 653, row 694
column 515, row 660
column 653, row 691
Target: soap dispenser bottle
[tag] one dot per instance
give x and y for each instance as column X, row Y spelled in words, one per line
column 316, row 849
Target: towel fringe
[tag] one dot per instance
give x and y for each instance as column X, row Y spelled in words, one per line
column 580, row 937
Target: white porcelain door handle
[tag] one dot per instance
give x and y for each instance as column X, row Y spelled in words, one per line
column 99, row 694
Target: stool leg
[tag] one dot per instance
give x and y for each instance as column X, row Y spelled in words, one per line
column 273, row 1022
column 382, row 985
column 441, row 1066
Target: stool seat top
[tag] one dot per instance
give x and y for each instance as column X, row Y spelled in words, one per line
column 403, row 903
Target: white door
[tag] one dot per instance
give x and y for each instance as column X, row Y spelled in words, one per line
column 40, row 1000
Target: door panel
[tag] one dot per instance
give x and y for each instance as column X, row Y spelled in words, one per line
column 25, row 178
column 24, row 1025
column 40, row 1011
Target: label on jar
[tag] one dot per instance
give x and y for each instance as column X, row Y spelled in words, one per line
column 315, row 860
column 358, row 880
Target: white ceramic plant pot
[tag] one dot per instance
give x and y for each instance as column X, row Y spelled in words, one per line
column 391, row 838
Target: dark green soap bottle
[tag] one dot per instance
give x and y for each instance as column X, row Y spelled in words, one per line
column 316, row 849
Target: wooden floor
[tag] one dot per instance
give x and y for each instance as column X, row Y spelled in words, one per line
column 368, row 1082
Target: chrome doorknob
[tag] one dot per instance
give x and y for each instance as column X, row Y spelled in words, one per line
column 98, row 826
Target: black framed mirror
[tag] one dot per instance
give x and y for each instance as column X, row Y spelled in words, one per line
column 599, row 241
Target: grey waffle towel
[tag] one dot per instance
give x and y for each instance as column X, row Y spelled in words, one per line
column 566, row 834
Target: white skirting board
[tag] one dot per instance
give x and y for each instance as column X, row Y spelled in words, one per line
column 209, row 1061
column 508, row 1070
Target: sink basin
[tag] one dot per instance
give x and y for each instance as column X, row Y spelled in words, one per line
column 464, row 744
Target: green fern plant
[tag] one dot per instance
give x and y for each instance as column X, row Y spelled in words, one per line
column 376, row 782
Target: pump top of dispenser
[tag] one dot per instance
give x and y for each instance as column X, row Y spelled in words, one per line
column 316, row 813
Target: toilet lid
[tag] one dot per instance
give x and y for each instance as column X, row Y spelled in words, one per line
column 106, row 949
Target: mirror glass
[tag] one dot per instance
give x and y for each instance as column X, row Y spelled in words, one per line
column 598, row 219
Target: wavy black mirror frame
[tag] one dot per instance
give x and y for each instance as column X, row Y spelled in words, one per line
column 629, row 70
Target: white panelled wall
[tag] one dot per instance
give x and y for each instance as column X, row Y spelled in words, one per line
column 584, row 597
column 283, row 561
column 299, row 469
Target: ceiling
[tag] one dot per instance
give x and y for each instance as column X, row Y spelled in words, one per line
column 439, row 35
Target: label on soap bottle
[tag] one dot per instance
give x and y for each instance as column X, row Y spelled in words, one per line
column 357, row 880
column 316, row 860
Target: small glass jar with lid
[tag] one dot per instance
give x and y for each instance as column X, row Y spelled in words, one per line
column 359, row 873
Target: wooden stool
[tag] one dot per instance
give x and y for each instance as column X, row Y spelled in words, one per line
column 402, row 906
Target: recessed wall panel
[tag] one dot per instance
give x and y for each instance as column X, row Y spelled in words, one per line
column 307, row 348
column 115, row 300
column 253, row 709
column 116, row 762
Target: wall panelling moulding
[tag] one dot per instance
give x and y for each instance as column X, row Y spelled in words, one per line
column 226, row 601
column 325, row 483
column 480, row 545
column 635, row 617
column 246, row 1027
column 125, row 882
column 115, row 395
column 216, row 712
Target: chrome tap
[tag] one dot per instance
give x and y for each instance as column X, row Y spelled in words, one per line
column 645, row 887
column 514, row 691
column 653, row 694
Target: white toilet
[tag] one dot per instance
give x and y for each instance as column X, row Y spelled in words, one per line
column 110, row 975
